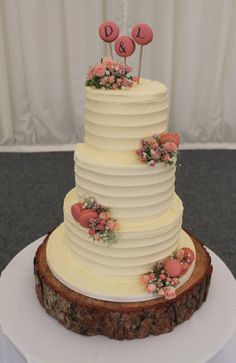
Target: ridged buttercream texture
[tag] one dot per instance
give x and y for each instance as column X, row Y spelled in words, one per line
column 140, row 197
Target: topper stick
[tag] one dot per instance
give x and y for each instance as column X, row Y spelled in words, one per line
column 140, row 62
column 125, row 61
column 110, row 49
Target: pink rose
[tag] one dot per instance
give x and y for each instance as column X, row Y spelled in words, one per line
column 100, row 70
column 113, row 226
column 174, row 281
column 128, row 69
column 91, row 232
column 170, row 146
column 152, row 163
column 162, row 276
column 165, row 157
column 135, row 79
column 125, row 82
column 139, row 151
column 105, row 215
column 110, row 79
column 170, row 292
column 144, row 280
column 168, row 137
column 90, row 74
column 107, row 61
column 151, row 288
column 151, row 276
column 100, row 227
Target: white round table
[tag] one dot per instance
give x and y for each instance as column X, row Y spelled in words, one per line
column 29, row 335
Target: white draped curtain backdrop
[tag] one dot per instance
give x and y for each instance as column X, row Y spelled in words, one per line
column 46, row 47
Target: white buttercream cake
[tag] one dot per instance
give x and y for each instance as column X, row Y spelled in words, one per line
column 141, row 198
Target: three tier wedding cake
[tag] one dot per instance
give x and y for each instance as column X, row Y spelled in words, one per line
column 120, row 264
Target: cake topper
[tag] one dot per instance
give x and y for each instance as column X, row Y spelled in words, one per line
column 109, row 31
column 142, row 34
column 124, row 46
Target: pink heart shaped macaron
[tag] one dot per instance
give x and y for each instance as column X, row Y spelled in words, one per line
column 85, row 216
column 76, row 209
column 173, row 267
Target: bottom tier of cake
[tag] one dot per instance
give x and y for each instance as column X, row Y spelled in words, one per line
column 127, row 320
column 92, row 283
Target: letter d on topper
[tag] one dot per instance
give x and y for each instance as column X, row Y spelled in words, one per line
column 109, row 31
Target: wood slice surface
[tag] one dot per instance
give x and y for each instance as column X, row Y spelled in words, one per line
column 88, row 316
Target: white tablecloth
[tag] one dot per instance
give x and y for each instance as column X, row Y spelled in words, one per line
column 29, row 335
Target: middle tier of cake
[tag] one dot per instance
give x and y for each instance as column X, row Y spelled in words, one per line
column 132, row 191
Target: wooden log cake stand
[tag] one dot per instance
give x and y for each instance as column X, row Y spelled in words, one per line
column 88, row 316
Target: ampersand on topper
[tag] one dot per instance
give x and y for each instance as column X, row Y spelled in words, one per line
column 124, row 46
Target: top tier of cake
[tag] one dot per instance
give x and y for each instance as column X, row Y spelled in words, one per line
column 118, row 120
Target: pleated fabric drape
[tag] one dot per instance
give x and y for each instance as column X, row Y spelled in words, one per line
column 46, row 47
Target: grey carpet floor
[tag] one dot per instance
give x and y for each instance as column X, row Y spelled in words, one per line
column 33, row 186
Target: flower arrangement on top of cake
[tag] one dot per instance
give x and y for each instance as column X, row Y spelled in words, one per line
column 110, row 74
column 159, row 148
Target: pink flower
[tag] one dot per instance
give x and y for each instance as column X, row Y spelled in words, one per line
column 111, row 79
column 91, row 232
column 144, row 280
column 100, row 70
column 112, row 225
column 139, row 151
column 103, row 82
column 170, row 146
column 161, row 293
column 170, row 292
column 114, row 86
column 128, row 69
column 151, row 276
column 107, row 61
column 125, row 82
column 162, row 276
column 152, row 163
column 169, row 137
column 115, row 227
column 100, row 227
column 90, row 74
column 102, row 222
column 159, row 284
column 174, row 281
column 165, row 157
column 135, row 79
column 104, row 215
column 151, row 288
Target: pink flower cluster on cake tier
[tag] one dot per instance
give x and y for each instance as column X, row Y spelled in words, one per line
column 159, row 148
column 110, row 75
column 165, row 275
column 101, row 226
